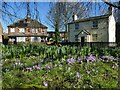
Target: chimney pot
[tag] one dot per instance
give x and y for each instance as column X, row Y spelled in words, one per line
column 74, row 16
column 28, row 19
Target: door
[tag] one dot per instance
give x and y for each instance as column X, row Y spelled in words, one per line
column 83, row 39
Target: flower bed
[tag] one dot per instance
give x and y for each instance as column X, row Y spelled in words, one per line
column 59, row 67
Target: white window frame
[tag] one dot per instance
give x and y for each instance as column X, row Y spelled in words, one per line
column 33, row 30
column 21, row 30
column 36, row 30
column 12, row 30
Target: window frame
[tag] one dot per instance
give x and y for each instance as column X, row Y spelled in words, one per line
column 95, row 24
column 77, row 26
column 12, row 30
column 33, row 30
column 94, row 37
column 21, row 30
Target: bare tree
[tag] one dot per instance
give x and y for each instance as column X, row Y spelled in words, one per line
column 54, row 17
column 12, row 11
column 112, row 4
column 82, row 9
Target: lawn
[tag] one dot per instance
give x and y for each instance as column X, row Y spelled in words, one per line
column 41, row 66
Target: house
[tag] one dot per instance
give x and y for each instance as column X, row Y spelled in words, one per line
column 118, row 32
column 1, row 32
column 93, row 29
column 51, row 34
column 27, row 30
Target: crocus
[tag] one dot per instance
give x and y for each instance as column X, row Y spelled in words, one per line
column 91, row 58
column 71, row 60
column 88, row 71
column 29, row 69
column 108, row 57
column 45, row 84
column 49, row 66
column 79, row 58
column 60, row 65
column 78, row 75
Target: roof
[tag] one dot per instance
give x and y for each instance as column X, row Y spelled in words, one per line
column 54, row 31
column 85, row 31
column 90, row 18
column 23, row 23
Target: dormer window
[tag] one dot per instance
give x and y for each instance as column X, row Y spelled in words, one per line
column 76, row 26
column 95, row 24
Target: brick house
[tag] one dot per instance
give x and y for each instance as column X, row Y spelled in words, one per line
column 1, row 32
column 27, row 30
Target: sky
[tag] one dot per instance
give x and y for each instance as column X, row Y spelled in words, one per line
column 43, row 9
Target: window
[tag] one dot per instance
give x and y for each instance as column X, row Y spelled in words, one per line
column 28, row 30
column 95, row 24
column 76, row 26
column 12, row 29
column 21, row 30
column 94, row 37
column 43, row 31
column 33, row 30
column 36, row 30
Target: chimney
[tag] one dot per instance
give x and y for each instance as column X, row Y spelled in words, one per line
column 111, row 10
column 74, row 16
column 28, row 19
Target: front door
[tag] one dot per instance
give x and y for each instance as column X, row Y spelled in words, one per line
column 82, row 39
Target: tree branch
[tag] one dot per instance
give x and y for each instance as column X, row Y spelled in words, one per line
column 113, row 5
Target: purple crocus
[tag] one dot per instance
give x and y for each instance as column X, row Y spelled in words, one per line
column 79, row 59
column 60, row 65
column 55, row 65
column 88, row 71
column 29, row 69
column 91, row 58
column 48, row 66
column 78, row 75
column 36, row 67
column 71, row 60
column 108, row 57
column 45, row 83
column 117, row 59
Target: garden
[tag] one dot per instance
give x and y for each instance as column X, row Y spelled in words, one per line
column 42, row 66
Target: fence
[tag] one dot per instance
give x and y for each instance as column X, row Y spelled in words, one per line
column 92, row 44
